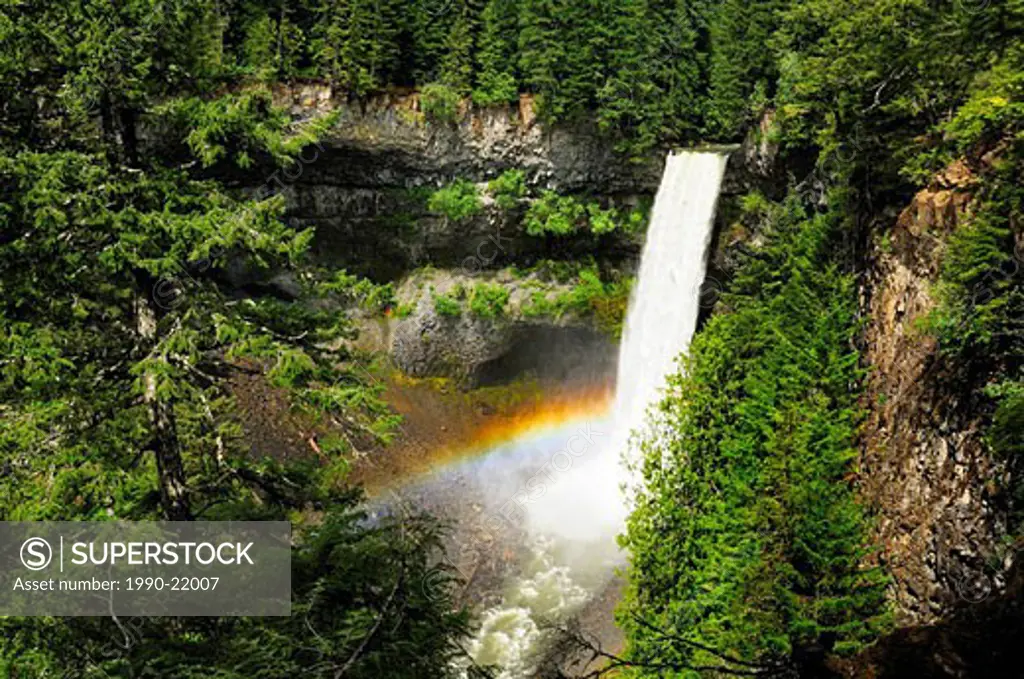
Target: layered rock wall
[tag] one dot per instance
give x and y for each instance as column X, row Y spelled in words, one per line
column 936, row 490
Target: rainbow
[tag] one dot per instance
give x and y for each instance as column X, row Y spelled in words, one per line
column 410, row 460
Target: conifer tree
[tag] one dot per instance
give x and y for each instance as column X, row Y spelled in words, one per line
column 457, row 64
column 742, row 68
column 356, row 43
column 747, row 543
column 496, row 70
column 122, row 338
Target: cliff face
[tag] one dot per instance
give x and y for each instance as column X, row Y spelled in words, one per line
column 364, row 185
column 925, row 470
column 478, row 350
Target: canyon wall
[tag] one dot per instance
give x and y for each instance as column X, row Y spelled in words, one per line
column 364, row 186
column 938, row 493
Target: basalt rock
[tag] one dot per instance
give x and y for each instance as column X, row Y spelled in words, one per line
column 938, row 493
column 364, row 186
column 479, row 350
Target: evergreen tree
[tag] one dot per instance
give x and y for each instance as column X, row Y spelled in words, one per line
column 742, row 69
column 496, row 79
column 746, row 542
column 430, row 27
column 541, row 50
column 121, row 340
column 356, row 43
column 564, row 48
column 681, row 64
column 457, row 64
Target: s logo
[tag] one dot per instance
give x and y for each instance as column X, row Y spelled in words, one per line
column 36, row 554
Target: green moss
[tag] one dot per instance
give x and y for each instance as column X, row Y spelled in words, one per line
column 447, row 306
column 605, row 301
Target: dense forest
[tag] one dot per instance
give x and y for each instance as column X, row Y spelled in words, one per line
column 748, row 546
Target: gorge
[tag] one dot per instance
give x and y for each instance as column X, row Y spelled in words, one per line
column 556, row 338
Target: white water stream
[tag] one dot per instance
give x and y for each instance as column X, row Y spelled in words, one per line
column 574, row 515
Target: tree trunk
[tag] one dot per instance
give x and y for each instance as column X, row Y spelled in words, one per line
column 170, row 470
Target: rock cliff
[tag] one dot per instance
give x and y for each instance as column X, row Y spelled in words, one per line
column 364, row 185
column 925, row 471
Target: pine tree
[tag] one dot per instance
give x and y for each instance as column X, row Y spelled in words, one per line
column 564, row 48
column 496, row 78
column 541, row 50
column 430, row 27
column 747, row 544
column 742, row 69
column 356, row 43
column 122, row 338
column 630, row 100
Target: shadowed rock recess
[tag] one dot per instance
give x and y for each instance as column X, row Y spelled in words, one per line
column 365, row 190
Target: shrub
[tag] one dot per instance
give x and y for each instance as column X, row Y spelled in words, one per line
column 601, row 221
column 564, row 215
column 439, row 103
column 555, row 214
column 488, row 300
column 539, row 305
column 372, row 297
column 457, row 201
column 508, row 188
column 447, row 306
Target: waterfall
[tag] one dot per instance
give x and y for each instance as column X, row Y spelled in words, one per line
column 574, row 520
column 663, row 311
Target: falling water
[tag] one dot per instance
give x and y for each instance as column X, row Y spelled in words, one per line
column 663, row 312
column 574, row 521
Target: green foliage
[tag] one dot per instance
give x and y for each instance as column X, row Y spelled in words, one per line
column 124, row 347
column 355, row 43
column 457, row 63
column 980, row 290
column 558, row 215
column 246, row 123
column 508, row 188
column 488, row 300
column 440, row 102
column 272, row 44
column 447, row 305
column 746, row 538
column 742, row 72
column 496, row 80
column 1005, row 435
column 458, row 201
column 605, row 301
column 374, row 297
column 350, row 585
column 554, row 214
